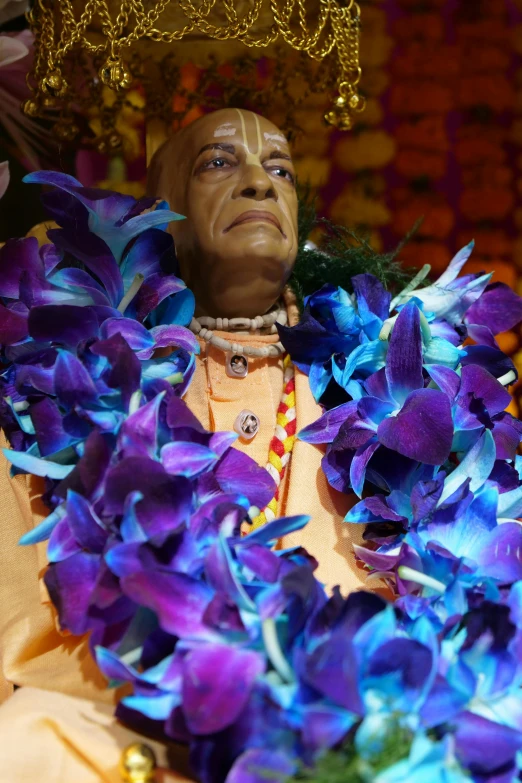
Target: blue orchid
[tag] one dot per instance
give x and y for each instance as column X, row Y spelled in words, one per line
column 398, row 413
column 231, row 645
column 337, row 337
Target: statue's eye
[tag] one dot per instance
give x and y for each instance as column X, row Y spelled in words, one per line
column 218, row 163
column 280, row 171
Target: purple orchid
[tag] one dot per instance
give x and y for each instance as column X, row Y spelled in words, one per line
column 230, row 645
column 399, row 413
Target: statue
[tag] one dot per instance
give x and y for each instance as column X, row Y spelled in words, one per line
column 231, row 175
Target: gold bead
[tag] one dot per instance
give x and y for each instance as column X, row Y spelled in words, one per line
column 340, row 102
column 54, row 84
column 48, row 102
column 138, row 763
column 30, row 108
column 66, row 130
column 109, row 144
column 344, row 122
column 115, row 141
column 331, row 118
column 116, row 75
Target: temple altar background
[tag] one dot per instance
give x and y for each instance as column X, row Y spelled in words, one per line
column 441, row 139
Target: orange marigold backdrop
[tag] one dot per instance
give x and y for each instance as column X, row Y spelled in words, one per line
column 441, row 139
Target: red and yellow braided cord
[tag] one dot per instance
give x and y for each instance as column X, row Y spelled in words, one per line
column 281, row 444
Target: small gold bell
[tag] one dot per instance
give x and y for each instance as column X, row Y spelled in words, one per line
column 109, row 144
column 116, row 75
column 48, row 102
column 138, row 764
column 54, row 84
column 344, row 122
column 357, row 103
column 30, row 108
column 330, row 117
column 66, row 130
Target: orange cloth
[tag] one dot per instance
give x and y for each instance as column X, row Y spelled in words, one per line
column 52, row 738
column 34, row 653
column 217, row 399
column 32, row 650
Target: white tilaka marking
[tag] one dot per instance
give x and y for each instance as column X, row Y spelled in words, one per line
column 274, row 137
column 227, row 129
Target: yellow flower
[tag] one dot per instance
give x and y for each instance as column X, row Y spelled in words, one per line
column 375, row 21
column 374, row 82
column 129, row 122
column 136, row 189
column 353, row 209
column 375, row 50
column 312, row 170
column 117, row 180
column 371, row 149
column 372, row 115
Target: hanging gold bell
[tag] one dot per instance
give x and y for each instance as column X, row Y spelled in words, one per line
column 54, row 84
column 116, row 74
column 31, row 108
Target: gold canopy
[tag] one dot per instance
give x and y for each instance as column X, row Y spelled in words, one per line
column 265, row 53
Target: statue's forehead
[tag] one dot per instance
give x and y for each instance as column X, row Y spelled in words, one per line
column 236, row 126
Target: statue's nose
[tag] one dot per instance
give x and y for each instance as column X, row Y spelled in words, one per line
column 256, row 184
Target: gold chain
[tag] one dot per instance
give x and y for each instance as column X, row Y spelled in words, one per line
column 328, row 29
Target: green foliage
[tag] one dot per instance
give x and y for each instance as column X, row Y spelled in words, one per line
column 342, row 255
column 345, row 766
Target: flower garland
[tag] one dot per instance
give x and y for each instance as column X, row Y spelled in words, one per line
column 231, row 646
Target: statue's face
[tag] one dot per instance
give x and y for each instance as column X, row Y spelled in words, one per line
column 235, row 183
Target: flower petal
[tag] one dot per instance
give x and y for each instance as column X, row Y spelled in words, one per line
column 187, row 459
column 217, row 683
column 13, row 326
column 38, row 467
column 371, row 295
column 238, row 473
column 360, row 463
column 422, row 430
column 499, row 308
column 72, row 383
column 174, row 335
column 326, row 427
column 179, row 601
column 63, row 324
column 71, row 584
column 404, row 358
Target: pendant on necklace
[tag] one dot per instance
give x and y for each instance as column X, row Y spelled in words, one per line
column 236, row 365
column 247, row 425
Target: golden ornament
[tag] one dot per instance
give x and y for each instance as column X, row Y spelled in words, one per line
column 116, row 75
column 160, row 38
column 66, row 130
column 109, row 144
column 54, row 84
column 30, row 108
column 138, row 764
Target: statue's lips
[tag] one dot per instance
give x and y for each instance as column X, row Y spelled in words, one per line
column 255, row 216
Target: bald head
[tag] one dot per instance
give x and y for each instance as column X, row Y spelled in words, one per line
column 231, row 174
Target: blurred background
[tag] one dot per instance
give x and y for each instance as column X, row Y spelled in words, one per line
column 441, row 137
